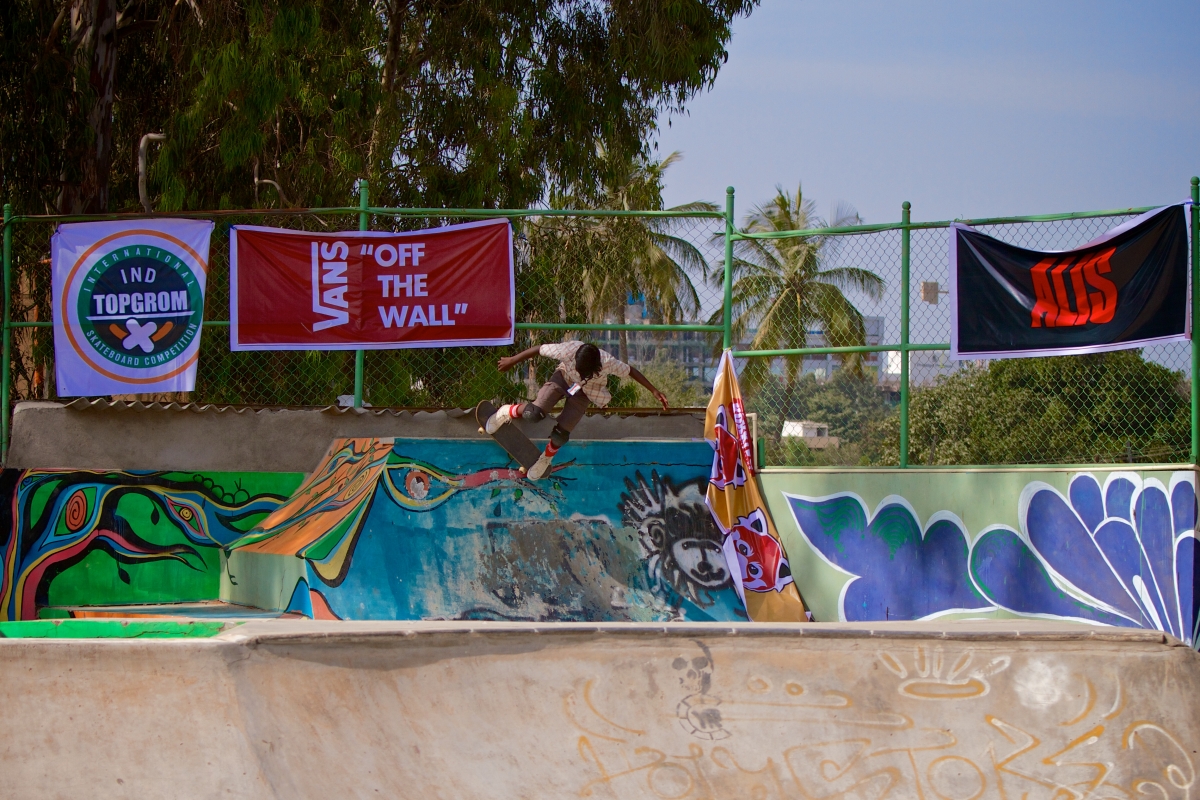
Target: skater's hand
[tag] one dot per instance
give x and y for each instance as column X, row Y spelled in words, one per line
column 505, row 364
column 662, row 398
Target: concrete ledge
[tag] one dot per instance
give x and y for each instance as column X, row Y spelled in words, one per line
column 135, row 436
column 291, row 709
column 263, row 630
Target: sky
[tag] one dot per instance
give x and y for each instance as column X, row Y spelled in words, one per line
column 965, row 109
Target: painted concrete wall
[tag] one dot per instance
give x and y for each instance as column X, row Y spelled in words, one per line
column 296, row 709
column 586, row 545
column 81, row 537
column 446, row 529
column 1097, row 546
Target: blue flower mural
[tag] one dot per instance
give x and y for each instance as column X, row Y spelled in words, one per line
column 902, row 571
column 1122, row 553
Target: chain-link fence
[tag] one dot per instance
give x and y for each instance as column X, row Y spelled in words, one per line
column 649, row 288
column 642, row 285
column 829, row 408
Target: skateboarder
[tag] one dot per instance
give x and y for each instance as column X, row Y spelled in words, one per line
column 581, row 378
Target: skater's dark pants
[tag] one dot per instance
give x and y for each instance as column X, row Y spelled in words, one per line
column 551, row 392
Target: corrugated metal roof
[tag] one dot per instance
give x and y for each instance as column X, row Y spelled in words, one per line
column 100, row 404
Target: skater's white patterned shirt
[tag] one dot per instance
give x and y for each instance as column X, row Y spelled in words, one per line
column 596, row 388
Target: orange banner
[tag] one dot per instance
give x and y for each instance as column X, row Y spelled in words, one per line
column 752, row 547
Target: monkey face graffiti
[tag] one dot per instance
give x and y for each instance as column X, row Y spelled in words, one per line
column 701, row 560
column 764, row 569
column 678, row 539
column 727, row 467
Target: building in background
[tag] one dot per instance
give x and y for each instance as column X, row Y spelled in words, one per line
column 823, row 366
column 695, row 352
column 814, row 434
column 924, row 367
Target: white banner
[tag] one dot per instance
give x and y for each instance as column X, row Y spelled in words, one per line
column 128, row 303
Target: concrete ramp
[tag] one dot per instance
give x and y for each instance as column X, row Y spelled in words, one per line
column 295, row 709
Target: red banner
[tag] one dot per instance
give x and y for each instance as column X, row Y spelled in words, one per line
column 303, row 290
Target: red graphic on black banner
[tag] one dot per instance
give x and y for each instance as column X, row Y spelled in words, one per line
column 1126, row 289
column 304, row 290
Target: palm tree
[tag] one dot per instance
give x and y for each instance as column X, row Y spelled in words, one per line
column 586, row 268
column 784, row 287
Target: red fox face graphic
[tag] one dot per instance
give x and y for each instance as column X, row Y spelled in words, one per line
column 764, row 569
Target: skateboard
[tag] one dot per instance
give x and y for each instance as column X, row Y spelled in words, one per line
column 515, row 443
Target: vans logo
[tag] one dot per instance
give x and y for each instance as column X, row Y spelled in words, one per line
column 329, row 284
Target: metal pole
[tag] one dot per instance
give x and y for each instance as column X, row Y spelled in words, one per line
column 359, row 355
column 6, row 347
column 904, row 290
column 1195, row 315
column 727, row 316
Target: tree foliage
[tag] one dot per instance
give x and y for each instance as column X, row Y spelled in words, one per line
column 852, row 405
column 1106, row 408
column 784, row 287
column 585, row 269
column 440, row 103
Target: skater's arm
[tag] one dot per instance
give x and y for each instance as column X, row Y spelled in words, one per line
column 508, row 362
column 644, row 381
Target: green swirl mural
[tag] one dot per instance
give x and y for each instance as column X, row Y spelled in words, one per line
column 79, row 537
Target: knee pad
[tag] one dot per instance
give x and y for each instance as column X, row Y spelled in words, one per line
column 559, row 437
column 532, row 413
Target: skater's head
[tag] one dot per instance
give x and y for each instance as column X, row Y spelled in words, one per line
column 587, row 360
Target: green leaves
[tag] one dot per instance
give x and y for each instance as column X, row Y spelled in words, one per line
column 584, row 269
column 785, row 287
column 852, row 406
column 437, row 102
column 1107, row 408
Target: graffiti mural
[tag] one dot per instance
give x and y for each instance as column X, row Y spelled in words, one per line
column 904, row 720
column 677, row 540
column 78, row 537
column 450, row 529
column 1119, row 552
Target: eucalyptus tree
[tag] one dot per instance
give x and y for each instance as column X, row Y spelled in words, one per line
column 785, row 287
column 437, row 102
column 273, row 103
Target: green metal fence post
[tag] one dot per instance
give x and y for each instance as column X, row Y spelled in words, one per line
column 727, row 303
column 904, row 290
column 1195, row 316
column 360, row 355
column 6, row 347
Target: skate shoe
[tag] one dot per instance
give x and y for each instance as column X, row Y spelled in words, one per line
column 540, row 469
column 496, row 421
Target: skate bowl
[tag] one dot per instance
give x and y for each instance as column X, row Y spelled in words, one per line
column 573, row 637
column 298, row 709
column 434, row 524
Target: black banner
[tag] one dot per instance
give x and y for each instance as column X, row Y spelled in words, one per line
column 1126, row 289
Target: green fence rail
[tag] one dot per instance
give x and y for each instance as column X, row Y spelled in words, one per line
column 667, row 290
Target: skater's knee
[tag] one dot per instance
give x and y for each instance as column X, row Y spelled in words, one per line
column 559, row 437
column 532, row 413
